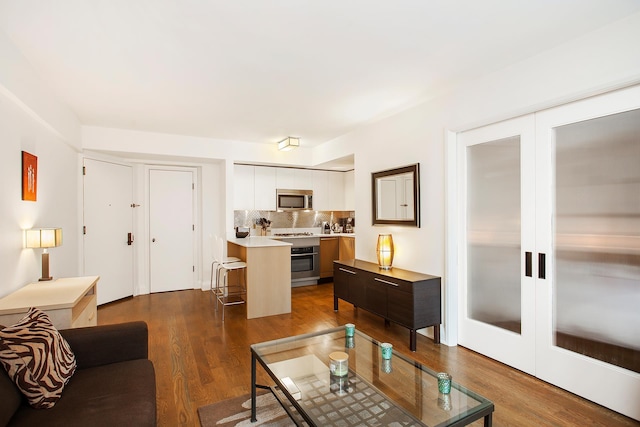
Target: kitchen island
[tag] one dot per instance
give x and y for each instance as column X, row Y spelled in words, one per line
column 268, row 275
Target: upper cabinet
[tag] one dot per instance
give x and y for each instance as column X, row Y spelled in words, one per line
column 265, row 188
column 244, row 187
column 285, row 178
column 303, row 179
column 349, row 193
column 294, row 179
column 255, row 187
column 320, row 190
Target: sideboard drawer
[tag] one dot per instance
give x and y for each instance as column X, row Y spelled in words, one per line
column 399, row 285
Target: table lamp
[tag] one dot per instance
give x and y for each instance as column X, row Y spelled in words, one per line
column 44, row 238
column 384, row 249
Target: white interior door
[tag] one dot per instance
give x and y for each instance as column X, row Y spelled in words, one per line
column 497, row 301
column 171, row 229
column 588, row 321
column 108, row 219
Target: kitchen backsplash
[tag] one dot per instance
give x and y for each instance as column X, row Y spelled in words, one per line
column 290, row 219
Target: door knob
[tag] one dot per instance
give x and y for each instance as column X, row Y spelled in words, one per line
column 153, row 240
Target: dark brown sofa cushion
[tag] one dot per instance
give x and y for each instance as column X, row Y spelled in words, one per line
column 118, row 394
column 10, row 397
column 97, row 346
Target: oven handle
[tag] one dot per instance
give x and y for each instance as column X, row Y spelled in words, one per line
column 311, row 253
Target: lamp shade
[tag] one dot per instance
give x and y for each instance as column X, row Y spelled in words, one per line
column 289, row 143
column 384, row 250
column 43, row 238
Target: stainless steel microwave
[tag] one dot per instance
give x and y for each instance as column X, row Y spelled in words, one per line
column 293, row 200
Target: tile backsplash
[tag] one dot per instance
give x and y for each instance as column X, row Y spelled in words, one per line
column 290, row 219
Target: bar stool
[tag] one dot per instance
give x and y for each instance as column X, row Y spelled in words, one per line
column 217, row 244
column 225, row 293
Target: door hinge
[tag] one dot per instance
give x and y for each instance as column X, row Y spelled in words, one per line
column 193, row 268
column 84, row 170
column 84, row 229
column 134, row 205
column 193, row 227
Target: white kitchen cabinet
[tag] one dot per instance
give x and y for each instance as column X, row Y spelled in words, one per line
column 243, row 187
column 265, row 188
column 320, row 189
column 285, row 178
column 349, row 191
column 303, row 179
column 255, row 187
column 336, row 191
column 329, row 191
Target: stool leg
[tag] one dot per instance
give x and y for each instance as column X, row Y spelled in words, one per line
column 225, row 277
column 218, row 268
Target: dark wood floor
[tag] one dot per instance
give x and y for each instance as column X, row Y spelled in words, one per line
column 200, row 360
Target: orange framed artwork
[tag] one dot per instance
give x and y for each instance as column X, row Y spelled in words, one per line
column 29, row 176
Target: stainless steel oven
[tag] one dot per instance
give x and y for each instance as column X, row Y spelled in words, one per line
column 305, row 260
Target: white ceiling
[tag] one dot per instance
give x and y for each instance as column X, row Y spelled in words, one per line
column 261, row 70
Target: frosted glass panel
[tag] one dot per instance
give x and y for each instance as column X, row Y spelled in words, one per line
column 597, row 239
column 493, row 230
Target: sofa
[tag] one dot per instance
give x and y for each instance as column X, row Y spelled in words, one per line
column 114, row 383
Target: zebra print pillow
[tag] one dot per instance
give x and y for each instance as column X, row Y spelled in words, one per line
column 37, row 358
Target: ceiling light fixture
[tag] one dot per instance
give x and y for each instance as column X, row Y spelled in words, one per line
column 289, row 143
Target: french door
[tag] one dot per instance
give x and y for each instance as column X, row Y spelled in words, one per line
column 550, row 248
column 499, row 194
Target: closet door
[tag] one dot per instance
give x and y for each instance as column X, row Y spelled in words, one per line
column 497, row 300
column 588, row 221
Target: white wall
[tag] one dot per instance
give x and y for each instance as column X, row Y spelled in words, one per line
column 56, row 205
column 20, row 85
column 603, row 60
column 31, row 119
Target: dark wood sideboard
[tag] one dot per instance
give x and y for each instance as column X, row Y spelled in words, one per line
column 404, row 297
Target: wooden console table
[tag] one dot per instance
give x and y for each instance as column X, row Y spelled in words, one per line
column 404, row 297
column 70, row 302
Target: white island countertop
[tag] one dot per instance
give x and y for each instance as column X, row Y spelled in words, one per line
column 257, row 242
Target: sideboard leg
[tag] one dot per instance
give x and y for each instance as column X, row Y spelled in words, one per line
column 412, row 340
column 335, row 303
column 436, row 334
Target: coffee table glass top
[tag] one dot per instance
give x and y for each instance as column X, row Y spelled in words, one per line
column 398, row 392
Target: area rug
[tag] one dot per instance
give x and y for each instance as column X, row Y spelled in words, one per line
column 236, row 412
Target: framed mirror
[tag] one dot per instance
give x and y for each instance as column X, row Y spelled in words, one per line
column 396, row 196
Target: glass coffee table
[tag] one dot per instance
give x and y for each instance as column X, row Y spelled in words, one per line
column 374, row 392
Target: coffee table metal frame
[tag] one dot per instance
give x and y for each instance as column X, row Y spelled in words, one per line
column 297, row 412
